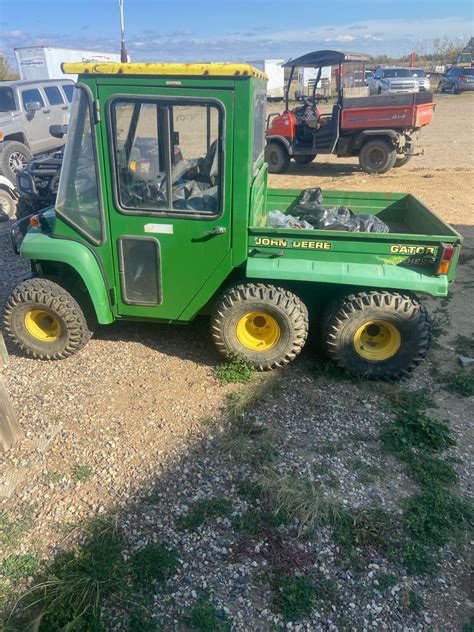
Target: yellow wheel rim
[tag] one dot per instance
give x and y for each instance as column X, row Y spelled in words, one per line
column 258, row 331
column 377, row 340
column 42, row 325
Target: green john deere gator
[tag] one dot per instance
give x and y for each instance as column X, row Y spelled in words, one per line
column 161, row 215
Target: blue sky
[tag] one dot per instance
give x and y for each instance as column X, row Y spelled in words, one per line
column 231, row 29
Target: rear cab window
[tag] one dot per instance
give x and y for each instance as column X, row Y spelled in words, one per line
column 53, row 95
column 7, row 100
column 33, row 95
column 260, row 105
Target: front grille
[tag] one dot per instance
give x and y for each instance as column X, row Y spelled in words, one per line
column 402, row 86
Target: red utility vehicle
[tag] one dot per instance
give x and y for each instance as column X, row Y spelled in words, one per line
column 380, row 129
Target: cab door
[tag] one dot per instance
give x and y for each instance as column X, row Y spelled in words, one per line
column 169, row 197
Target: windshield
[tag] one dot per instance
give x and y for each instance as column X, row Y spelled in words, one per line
column 7, row 100
column 78, row 198
column 416, row 72
column 464, row 58
column 396, row 72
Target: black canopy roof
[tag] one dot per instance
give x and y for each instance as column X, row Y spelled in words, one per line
column 321, row 58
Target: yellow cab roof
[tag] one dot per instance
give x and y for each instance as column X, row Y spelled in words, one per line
column 215, row 69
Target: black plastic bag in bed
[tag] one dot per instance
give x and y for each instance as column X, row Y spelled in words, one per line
column 311, row 198
column 370, row 224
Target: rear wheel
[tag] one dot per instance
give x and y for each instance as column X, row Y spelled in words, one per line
column 44, row 320
column 266, row 324
column 277, row 158
column 14, row 157
column 378, row 334
column 377, row 156
column 304, row 159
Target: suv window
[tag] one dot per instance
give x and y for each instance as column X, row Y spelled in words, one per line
column 167, row 156
column 53, row 94
column 7, row 100
column 30, row 96
column 468, row 71
column 68, row 91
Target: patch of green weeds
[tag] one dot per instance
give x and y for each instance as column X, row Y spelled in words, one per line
column 464, row 345
column 329, row 449
column 430, row 470
column 366, row 471
column 250, row 490
column 17, row 566
column 204, row 617
column 203, row 511
column 255, row 521
column 301, row 499
column 460, row 382
column 386, row 580
column 73, row 590
column 52, row 477
column 11, row 531
column 81, row 472
column 293, row 597
column 141, row 620
column 154, row 563
column 362, row 437
column 417, row 559
column 236, row 369
column 414, row 429
column 327, row 590
column 432, row 517
column 411, row 600
column 369, row 528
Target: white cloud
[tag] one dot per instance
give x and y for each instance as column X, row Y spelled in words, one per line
column 341, row 38
column 373, row 38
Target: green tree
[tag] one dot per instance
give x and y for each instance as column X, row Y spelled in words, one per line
column 6, row 73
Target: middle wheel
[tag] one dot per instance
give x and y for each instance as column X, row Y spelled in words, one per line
column 267, row 324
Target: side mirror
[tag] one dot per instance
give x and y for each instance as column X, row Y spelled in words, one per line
column 33, row 106
column 58, row 131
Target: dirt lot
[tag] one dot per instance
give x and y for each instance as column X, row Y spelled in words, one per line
column 137, row 426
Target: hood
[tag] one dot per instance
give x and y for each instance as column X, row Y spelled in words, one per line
column 7, row 117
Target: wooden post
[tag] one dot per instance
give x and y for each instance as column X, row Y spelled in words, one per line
column 10, row 430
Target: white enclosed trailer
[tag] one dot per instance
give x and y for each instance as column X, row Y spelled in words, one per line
column 273, row 68
column 44, row 62
column 307, row 77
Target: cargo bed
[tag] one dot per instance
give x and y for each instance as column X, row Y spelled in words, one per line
column 404, row 258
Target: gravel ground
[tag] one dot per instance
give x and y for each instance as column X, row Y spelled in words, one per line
column 141, row 412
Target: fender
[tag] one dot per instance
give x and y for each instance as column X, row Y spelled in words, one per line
column 391, row 133
column 39, row 247
column 281, row 139
column 9, row 187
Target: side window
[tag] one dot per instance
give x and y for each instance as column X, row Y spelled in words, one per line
column 167, row 156
column 30, row 96
column 68, row 91
column 53, row 95
column 260, row 104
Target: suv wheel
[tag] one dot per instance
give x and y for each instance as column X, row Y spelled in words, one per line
column 14, row 157
column 454, row 89
column 7, row 205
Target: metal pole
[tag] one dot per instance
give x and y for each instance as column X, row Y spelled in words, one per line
column 123, row 49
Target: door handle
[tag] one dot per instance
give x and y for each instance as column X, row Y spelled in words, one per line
column 46, row 111
column 218, row 230
column 65, row 107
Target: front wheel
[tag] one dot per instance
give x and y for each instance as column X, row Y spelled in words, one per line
column 402, row 159
column 377, row 334
column 15, row 156
column 454, row 89
column 266, row 324
column 277, row 158
column 304, row 159
column 377, row 156
column 44, row 320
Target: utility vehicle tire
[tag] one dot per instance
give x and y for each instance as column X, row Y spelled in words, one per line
column 266, row 324
column 377, row 156
column 304, row 159
column 7, row 205
column 379, row 335
column 44, row 320
column 454, row 89
column 402, row 159
column 14, row 157
column 277, row 158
